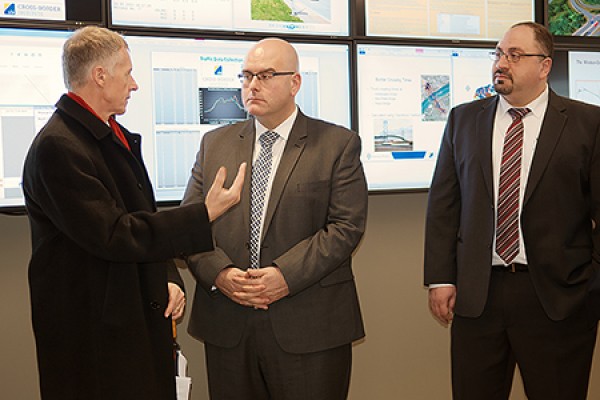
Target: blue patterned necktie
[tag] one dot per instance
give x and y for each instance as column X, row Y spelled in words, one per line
column 507, row 229
column 261, row 170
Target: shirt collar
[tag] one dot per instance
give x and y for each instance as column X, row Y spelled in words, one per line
column 537, row 106
column 282, row 130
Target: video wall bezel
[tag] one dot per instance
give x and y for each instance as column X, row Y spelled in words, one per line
column 217, row 33
column 77, row 14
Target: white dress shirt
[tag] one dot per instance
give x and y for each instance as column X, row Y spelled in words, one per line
column 532, row 124
column 283, row 130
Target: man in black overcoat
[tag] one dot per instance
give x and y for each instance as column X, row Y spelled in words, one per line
column 103, row 284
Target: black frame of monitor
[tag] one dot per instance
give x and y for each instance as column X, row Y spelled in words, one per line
column 78, row 13
column 19, row 209
column 205, row 32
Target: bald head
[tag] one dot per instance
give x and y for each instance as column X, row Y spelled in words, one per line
column 274, row 51
column 271, row 100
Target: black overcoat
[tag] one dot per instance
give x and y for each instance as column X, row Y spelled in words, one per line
column 101, row 259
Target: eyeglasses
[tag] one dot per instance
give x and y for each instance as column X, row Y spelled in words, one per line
column 263, row 76
column 512, row 56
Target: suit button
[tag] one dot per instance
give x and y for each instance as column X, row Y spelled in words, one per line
column 139, row 185
column 155, row 305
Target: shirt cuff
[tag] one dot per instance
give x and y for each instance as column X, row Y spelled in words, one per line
column 438, row 285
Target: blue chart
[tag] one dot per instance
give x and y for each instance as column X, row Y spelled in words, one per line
column 221, row 106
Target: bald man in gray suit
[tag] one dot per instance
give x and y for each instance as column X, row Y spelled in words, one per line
column 281, row 330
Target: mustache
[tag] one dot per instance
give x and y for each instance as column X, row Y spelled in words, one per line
column 503, row 72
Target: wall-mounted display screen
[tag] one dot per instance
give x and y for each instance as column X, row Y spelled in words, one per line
column 442, row 19
column 575, row 74
column 188, row 87
column 32, row 82
column 574, row 17
column 584, row 76
column 52, row 14
column 48, row 10
column 404, row 97
column 309, row 17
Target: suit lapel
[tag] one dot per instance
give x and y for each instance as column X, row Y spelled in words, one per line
column 293, row 149
column 244, row 151
column 484, row 129
column 551, row 130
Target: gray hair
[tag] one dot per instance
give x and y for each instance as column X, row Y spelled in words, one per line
column 86, row 48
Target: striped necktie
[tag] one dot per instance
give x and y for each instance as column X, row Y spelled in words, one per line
column 261, row 170
column 507, row 228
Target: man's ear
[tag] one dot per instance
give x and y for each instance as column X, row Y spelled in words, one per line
column 546, row 67
column 99, row 75
column 296, row 81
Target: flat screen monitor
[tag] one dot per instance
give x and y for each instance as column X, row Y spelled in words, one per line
column 188, row 87
column 584, row 76
column 52, row 13
column 32, row 82
column 308, row 17
column 405, row 94
column 575, row 73
column 573, row 18
column 47, row 10
column 442, row 19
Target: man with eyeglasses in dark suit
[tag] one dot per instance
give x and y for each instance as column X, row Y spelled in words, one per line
column 511, row 246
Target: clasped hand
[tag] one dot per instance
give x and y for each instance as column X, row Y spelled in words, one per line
column 256, row 288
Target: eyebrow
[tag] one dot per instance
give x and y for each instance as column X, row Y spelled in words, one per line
column 264, row 70
column 510, row 49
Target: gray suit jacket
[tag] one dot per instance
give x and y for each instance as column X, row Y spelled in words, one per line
column 315, row 218
column 562, row 197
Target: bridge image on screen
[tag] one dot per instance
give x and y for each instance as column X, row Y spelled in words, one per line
column 393, row 135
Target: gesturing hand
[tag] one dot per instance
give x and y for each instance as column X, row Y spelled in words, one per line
column 219, row 199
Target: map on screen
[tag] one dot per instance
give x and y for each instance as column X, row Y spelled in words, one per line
column 309, row 17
